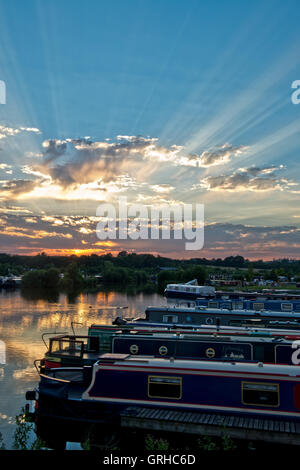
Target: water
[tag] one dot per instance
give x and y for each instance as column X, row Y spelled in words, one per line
column 23, row 319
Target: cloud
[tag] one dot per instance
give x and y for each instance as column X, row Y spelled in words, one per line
column 90, row 161
column 74, row 161
column 7, row 209
column 53, row 149
column 220, row 155
column 247, row 179
column 15, row 188
column 6, row 168
column 86, row 169
column 10, row 131
column 162, row 188
column 77, row 235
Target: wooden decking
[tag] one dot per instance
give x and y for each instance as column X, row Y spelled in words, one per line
column 281, row 432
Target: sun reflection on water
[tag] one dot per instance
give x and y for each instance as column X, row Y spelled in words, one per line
column 25, row 317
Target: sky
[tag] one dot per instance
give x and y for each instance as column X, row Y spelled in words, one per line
column 159, row 101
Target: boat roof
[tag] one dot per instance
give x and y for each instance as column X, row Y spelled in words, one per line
column 145, row 326
column 225, row 311
column 213, row 337
column 151, row 362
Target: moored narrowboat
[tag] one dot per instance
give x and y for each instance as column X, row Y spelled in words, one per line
column 67, row 350
column 191, row 291
column 214, row 316
column 118, row 381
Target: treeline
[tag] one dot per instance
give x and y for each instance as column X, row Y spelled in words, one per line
column 117, row 274
column 93, row 263
column 73, row 272
column 89, row 264
column 52, row 278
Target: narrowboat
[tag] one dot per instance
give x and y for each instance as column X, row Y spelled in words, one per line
column 202, row 315
column 191, row 291
column 257, row 304
column 100, row 393
column 69, row 350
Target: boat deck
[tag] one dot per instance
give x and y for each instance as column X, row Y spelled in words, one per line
column 281, row 432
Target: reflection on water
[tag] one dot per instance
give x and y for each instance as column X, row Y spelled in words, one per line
column 23, row 319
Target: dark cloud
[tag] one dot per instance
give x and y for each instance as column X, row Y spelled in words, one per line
column 53, row 149
column 251, row 179
column 15, row 188
column 31, row 234
column 219, row 155
column 90, row 160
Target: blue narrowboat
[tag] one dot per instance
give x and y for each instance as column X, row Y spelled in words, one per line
column 258, row 304
column 213, row 316
column 193, row 295
column 118, row 381
column 67, row 350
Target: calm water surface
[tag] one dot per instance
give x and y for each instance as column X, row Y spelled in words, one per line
column 23, row 319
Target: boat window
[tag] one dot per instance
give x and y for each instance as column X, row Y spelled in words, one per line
column 246, row 322
column 213, row 304
column 233, row 352
column 65, row 347
column 259, row 354
column 170, row 319
column 73, row 375
column 226, row 305
column 263, row 394
column 287, row 307
column 237, row 305
column 258, row 306
column 164, row 387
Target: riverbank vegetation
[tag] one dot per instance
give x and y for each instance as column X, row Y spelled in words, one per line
column 77, row 273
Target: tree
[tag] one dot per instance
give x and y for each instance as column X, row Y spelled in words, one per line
column 73, row 277
column 51, row 278
column 250, row 273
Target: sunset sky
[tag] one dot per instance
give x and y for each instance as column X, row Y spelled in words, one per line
column 161, row 101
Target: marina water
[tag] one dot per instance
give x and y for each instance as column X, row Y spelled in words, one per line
column 24, row 317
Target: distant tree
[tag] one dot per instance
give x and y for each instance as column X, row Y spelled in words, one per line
column 122, row 253
column 41, row 279
column 250, row 273
column 73, row 277
column 273, row 276
column 51, row 278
